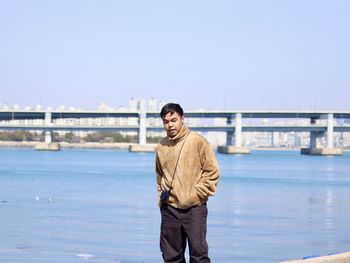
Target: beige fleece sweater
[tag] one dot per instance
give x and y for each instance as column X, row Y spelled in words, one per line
column 197, row 173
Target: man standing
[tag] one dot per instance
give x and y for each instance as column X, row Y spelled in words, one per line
column 187, row 174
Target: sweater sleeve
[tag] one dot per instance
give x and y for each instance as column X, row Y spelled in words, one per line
column 210, row 172
column 159, row 175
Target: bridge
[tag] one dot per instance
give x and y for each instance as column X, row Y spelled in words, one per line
column 235, row 123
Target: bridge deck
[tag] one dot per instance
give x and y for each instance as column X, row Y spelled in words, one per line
column 22, row 114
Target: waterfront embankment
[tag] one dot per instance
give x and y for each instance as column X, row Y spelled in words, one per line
column 85, row 145
column 97, row 145
column 116, row 145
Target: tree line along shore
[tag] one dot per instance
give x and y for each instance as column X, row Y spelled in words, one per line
column 28, row 137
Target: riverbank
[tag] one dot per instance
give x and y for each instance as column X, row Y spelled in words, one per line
column 117, row 145
column 86, row 145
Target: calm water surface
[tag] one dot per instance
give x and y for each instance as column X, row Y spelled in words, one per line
column 100, row 206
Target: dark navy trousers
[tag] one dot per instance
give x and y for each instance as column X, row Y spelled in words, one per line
column 179, row 226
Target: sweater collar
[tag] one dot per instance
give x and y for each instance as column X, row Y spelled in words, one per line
column 181, row 135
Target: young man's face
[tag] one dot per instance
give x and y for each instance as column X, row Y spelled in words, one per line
column 172, row 123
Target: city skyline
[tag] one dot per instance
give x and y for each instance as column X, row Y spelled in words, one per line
column 227, row 55
column 141, row 104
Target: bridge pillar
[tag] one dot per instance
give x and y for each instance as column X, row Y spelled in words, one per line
column 329, row 150
column 330, row 130
column 142, row 146
column 237, row 148
column 48, row 134
column 48, row 137
column 48, row 145
column 229, row 134
column 142, row 128
column 313, row 138
column 238, row 130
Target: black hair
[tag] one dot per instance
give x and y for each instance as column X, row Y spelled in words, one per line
column 171, row 107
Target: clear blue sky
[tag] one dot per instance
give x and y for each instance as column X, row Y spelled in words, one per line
column 239, row 55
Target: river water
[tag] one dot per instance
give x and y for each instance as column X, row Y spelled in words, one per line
column 100, row 206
